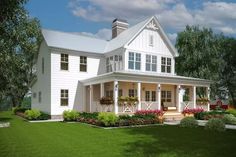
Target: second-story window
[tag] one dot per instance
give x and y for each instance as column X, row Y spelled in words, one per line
column 109, row 62
column 151, row 63
column 83, row 63
column 165, row 65
column 64, row 62
column 134, row 61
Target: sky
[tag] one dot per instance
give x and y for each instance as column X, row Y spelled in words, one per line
column 94, row 17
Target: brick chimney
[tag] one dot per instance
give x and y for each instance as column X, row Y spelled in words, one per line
column 118, row 26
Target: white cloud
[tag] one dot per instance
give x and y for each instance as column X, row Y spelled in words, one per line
column 174, row 15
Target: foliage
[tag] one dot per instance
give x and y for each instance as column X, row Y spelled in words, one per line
column 127, row 100
column 32, row 114
column 107, row 118
column 43, row 116
column 106, row 101
column 229, row 119
column 215, row 124
column 20, row 37
column 18, row 109
column 26, row 102
column 202, row 101
column 188, row 122
column 148, row 114
column 125, row 117
column 231, row 111
column 70, row 115
column 192, row 110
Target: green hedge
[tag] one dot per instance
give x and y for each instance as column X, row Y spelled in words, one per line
column 70, row 115
column 189, row 122
column 33, row 114
column 215, row 124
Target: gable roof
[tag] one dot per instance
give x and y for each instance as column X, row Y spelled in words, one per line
column 79, row 42
column 72, row 41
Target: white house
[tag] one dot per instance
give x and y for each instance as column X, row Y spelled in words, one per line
column 74, row 71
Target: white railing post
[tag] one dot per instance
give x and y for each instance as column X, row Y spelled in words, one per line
column 116, row 88
column 194, row 97
column 90, row 97
column 139, row 95
column 159, row 96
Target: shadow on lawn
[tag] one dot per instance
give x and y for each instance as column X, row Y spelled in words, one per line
column 5, row 119
column 172, row 141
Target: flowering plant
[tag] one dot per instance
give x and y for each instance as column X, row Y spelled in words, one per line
column 106, row 101
column 192, row 110
column 127, row 100
column 149, row 112
column 202, row 101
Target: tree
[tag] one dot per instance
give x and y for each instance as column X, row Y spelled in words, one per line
column 20, row 37
column 228, row 67
column 198, row 55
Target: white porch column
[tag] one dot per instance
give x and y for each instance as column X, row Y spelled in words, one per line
column 194, row 96
column 139, row 95
column 179, row 98
column 101, row 90
column 159, row 96
column 90, row 97
column 116, row 96
column 208, row 97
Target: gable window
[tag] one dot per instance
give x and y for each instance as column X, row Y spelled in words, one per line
column 150, row 40
column 64, row 97
column 151, row 63
column 40, row 97
column 132, row 92
column 42, row 65
column 134, row 61
column 165, row 65
column 64, row 61
column 165, row 96
column 83, row 63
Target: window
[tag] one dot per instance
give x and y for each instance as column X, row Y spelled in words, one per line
column 132, row 92
column 120, row 92
column 34, row 95
column 40, row 97
column 165, row 64
column 42, row 65
column 83, row 63
column 150, row 40
column 64, row 97
column 134, row 61
column 150, row 95
column 151, row 63
column 109, row 62
column 64, row 62
column 109, row 93
column 165, row 96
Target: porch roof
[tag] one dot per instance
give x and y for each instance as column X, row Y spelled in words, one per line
column 131, row 76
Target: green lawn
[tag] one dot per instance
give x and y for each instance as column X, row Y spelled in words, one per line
column 24, row 139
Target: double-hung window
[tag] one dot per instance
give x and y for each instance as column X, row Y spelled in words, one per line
column 64, row 97
column 165, row 96
column 151, row 63
column 165, row 65
column 132, row 92
column 64, row 62
column 150, row 95
column 134, row 61
column 83, row 63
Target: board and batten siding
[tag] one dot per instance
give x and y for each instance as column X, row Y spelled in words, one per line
column 43, row 81
column 61, row 79
column 140, row 44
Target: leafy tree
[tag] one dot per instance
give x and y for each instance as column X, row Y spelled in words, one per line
column 20, row 37
column 228, row 67
column 198, row 55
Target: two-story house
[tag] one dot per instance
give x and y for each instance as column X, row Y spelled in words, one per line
column 74, row 71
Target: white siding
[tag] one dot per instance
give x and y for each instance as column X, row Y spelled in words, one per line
column 43, row 81
column 61, row 79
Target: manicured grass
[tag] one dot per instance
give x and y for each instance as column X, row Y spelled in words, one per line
column 24, row 139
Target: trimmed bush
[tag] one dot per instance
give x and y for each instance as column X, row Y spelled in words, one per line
column 70, row 115
column 188, row 122
column 19, row 109
column 32, row 114
column 232, row 111
column 107, row 118
column 229, row 119
column 87, row 115
column 44, row 116
column 125, row 117
column 215, row 124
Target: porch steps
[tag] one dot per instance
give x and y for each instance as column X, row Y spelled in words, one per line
column 169, row 117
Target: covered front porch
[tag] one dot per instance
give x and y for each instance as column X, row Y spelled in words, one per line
column 161, row 94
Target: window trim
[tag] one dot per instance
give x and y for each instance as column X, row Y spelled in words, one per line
column 135, row 59
column 166, row 65
column 83, row 62
column 64, row 92
column 151, row 63
column 64, row 60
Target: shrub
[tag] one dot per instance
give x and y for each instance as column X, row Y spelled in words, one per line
column 125, row 117
column 87, row 115
column 19, row 109
column 200, row 115
column 44, row 116
column 148, row 114
column 70, row 115
column 231, row 111
column 32, row 114
column 107, row 118
column 229, row 119
column 190, row 122
column 215, row 124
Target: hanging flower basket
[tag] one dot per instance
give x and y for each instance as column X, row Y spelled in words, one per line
column 106, row 101
column 127, row 101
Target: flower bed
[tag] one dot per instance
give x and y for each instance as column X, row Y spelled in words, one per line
column 30, row 114
column 108, row 119
column 210, row 114
column 192, row 112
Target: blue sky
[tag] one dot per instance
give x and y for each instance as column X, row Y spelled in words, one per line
column 93, row 17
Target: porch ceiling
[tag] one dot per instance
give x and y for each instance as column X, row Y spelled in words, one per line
column 128, row 76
